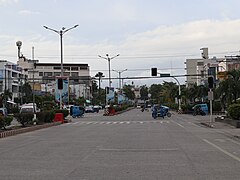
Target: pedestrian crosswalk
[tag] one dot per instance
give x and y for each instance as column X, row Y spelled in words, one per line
column 115, row 122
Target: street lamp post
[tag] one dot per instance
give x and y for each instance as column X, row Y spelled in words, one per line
column 119, row 76
column 179, row 94
column 109, row 69
column 61, row 32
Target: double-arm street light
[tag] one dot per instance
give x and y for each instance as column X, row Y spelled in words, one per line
column 109, row 68
column 119, row 76
column 61, row 32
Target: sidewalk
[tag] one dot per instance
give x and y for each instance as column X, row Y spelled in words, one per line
column 224, row 127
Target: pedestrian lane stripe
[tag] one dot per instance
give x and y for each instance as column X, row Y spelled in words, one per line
column 116, row 122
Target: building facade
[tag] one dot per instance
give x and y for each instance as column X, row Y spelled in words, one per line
column 44, row 75
column 12, row 77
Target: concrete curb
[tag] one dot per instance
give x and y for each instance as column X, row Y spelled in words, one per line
column 27, row 129
column 207, row 124
column 120, row 112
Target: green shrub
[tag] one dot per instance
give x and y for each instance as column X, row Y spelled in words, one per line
column 24, row 118
column 234, row 111
column 186, row 108
column 217, row 106
column 15, row 110
column 5, row 121
column 45, row 116
column 64, row 111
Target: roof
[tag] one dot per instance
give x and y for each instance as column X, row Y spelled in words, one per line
column 58, row 64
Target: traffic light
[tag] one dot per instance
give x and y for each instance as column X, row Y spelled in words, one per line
column 154, row 71
column 60, row 83
column 210, row 82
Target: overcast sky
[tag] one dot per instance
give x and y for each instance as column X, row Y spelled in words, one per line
column 150, row 33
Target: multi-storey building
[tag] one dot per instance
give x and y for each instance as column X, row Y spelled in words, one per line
column 215, row 67
column 43, row 76
column 11, row 78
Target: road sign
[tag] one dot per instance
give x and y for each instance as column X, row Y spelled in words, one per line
column 210, row 95
column 164, row 75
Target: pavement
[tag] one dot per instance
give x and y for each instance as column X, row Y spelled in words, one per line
column 221, row 126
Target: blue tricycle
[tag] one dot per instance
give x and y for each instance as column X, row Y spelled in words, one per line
column 160, row 111
column 77, row 111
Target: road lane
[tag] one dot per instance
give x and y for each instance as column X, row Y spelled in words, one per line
column 131, row 145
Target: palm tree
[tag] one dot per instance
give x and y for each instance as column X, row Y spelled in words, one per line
column 169, row 91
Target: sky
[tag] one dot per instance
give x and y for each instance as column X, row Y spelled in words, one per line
column 146, row 34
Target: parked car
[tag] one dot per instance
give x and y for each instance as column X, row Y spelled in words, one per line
column 89, row 109
column 201, row 109
column 96, row 108
column 29, row 108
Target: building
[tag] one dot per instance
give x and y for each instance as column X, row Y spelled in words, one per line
column 12, row 77
column 44, row 75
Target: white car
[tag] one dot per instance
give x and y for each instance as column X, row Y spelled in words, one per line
column 89, row 109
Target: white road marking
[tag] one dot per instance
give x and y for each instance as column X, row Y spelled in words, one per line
column 222, row 150
column 178, row 124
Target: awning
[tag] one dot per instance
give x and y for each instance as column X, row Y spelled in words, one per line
column 11, row 102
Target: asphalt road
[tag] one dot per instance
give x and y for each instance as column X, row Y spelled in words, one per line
column 130, row 146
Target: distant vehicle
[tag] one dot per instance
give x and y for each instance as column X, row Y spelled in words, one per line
column 76, row 111
column 68, row 107
column 160, row 111
column 201, row 109
column 138, row 106
column 89, row 109
column 96, row 108
column 29, row 108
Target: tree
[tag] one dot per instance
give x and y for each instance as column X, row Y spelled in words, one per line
column 169, row 91
column 228, row 90
column 144, row 92
column 155, row 90
column 27, row 93
column 127, row 89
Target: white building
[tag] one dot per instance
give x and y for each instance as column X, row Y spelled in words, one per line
column 11, row 78
column 44, row 76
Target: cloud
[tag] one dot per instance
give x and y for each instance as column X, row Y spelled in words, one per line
column 164, row 47
column 8, row 1
column 28, row 12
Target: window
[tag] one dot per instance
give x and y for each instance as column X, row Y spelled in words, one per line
column 48, row 67
column 40, row 73
column 66, row 68
column 83, row 67
column 57, row 74
column 74, row 74
column 48, row 73
column 66, row 74
column 74, row 68
column 57, row 67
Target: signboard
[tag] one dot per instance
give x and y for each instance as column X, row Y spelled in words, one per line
column 221, row 74
column 164, row 75
column 121, row 98
column 210, row 95
column 109, row 94
column 64, row 91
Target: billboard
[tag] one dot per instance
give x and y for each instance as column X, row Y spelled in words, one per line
column 109, row 94
column 64, row 91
